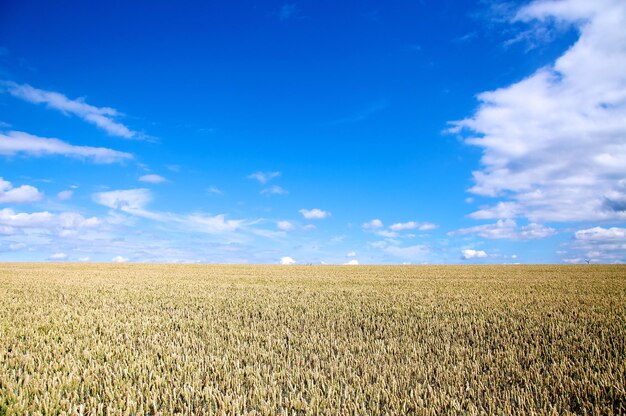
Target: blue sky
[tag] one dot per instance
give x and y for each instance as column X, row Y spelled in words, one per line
column 313, row 132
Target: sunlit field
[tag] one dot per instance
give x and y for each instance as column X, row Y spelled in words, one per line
column 155, row 339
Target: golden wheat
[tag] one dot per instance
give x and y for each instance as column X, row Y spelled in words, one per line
column 155, row 339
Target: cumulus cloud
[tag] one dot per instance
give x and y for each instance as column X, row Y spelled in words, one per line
column 351, row 254
column 507, row 229
column 314, row 214
column 21, row 194
column 554, row 144
column 102, row 117
column 274, row 190
column 263, row 177
column 20, row 143
column 65, row 195
column 152, row 178
column 353, row 262
column 287, row 260
column 373, row 224
column 473, row 254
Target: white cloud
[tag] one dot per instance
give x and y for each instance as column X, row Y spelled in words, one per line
column 386, row 233
column 507, row 229
column 132, row 201
column 119, row 259
column 17, row 142
column 412, row 225
column 373, row 224
column 58, row 256
column 263, row 177
column 274, row 190
column 353, row 262
column 285, row 225
column 601, row 234
column 19, row 195
column 554, row 144
column 214, row 190
column 287, row 260
column 65, row 195
column 351, row 254
column 103, row 117
column 135, row 202
column 67, row 221
column 473, row 254
column 152, row 178
column 314, row 214
column 427, row 226
column 598, row 244
column 401, row 226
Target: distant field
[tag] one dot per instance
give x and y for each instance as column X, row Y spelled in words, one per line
column 154, row 339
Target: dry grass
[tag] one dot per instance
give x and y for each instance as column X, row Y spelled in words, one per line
column 153, row 339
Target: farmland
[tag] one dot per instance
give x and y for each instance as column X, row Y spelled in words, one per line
column 157, row 339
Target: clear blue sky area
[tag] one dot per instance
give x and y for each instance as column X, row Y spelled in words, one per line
column 313, row 131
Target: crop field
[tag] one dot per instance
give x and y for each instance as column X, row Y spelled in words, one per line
column 156, row 339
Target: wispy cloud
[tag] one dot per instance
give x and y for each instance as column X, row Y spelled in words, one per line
column 135, row 202
column 102, row 117
column 152, row 178
column 263, row 177
column 274, row 190
column 214, row 190
column 131, row 201
column 20, row 143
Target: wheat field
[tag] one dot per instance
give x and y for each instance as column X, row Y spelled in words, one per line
column 337, row 340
